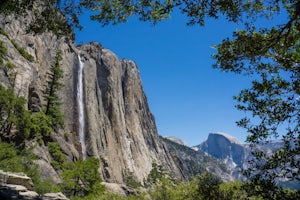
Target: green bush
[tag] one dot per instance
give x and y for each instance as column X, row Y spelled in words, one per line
column 58, row 156
column 41, row 126
column 3, row 51
column 13, row 160
column 82, row 178
column 10, row 161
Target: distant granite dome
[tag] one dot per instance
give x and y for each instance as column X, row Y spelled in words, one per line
column 224, row 146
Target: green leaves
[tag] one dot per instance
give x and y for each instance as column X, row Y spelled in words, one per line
column 82, row 178
column 3, row 51
column 9, row 159
column 271, row 55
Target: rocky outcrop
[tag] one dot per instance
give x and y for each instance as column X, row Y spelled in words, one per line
column 19, row 186
column 119, row 127
column 16, row 179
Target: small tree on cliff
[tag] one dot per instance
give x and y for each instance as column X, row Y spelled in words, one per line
column 52, row 87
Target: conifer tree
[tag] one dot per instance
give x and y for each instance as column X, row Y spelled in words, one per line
column 52, row 87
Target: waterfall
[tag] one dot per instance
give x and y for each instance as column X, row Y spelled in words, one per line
column 81, row 108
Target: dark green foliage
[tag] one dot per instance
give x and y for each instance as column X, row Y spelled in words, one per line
column 271, row 55
column 12, row 113
column 49, row 19
column 14, row 160
column 208, row 186
column 3, row 51
column 82, row 178
column 40, row 125
column 18, row 124
column 58, row 156
column 15, row 6
column 52, row 106
column 51, row 16
column 45, row 186
column 9, row 160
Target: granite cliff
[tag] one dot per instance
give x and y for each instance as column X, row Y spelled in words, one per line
column 119, row 127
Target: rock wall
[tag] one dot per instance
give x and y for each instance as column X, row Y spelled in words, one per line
column 120, row 129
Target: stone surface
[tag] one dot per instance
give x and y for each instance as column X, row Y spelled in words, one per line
column 54, row 196
column 16, row 179
column 121, row 130
column 114, row 188
column 19, row 187
column 29, row 195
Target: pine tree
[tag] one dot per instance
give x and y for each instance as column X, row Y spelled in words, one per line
column 52, row 101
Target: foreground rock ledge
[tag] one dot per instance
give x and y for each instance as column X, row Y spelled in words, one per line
column 19, row 186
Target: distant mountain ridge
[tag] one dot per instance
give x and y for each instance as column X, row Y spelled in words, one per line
column 236, row 155
column 192, row 162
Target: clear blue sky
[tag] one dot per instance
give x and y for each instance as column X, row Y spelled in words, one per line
column 188, row 98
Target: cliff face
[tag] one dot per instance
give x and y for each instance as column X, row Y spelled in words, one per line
column 119, row 127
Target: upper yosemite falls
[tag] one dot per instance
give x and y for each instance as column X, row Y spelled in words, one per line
column 105, row 109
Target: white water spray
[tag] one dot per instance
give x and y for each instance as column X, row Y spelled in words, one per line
column 80, row 107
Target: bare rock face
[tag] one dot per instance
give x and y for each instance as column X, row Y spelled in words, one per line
column 119, row 127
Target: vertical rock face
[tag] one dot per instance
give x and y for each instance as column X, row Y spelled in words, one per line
column 119, row 127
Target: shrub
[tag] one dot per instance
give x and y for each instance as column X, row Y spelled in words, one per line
column 58, row 156
column 3, row 51
column 82, row 178
column 9, row 159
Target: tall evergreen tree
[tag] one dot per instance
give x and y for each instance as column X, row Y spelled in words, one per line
column 53, row 86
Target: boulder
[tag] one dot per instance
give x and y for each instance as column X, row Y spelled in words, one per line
column 54, row 196
column 16, row 179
